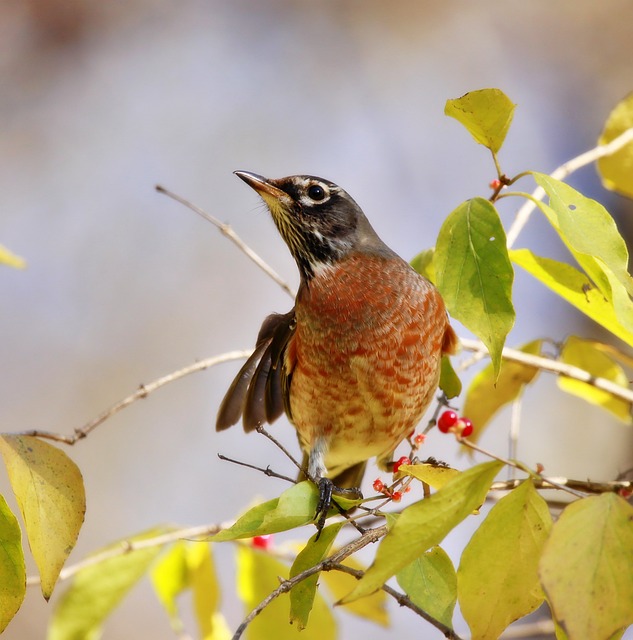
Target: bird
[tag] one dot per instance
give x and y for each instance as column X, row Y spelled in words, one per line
column 356, row 362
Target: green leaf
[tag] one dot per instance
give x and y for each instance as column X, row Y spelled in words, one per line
column 294, row 507
column 98, row 588
column 587, row 228
column 586, row 567
column 486, row 113
column 486, row 396
column 497, row 579
column 474, row 273
column 431, row 584
column 372, row 607
column 10, row 259
column 574, row 287
column 590, row 356
column 258, row 576
column 50, row 493
column 425, row 524
column 423, row 264
column 616, row 170
column 450, row 383
column 12, row 569
column 302, row 595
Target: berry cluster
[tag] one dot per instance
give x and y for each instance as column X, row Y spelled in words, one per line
column 381, row 487
column 450, row 422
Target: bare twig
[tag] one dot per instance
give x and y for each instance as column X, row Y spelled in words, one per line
column 227, row 231
column 561, row 173
column 142, row 392
column 267, row 471
column 553, row 366
column 260, row 429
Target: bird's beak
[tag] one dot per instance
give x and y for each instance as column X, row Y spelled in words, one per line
column 273, row 196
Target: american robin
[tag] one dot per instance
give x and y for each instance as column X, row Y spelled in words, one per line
column 356, row 362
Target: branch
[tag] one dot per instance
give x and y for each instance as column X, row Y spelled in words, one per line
column 128, row 546
column 142, row 392
column 586, row 486
column 553, row 366
column 371, row 535
column 402, row 599
column 227, row 231
column 561, row 173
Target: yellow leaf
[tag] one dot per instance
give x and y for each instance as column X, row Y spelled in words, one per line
column 574, row 287
column 433, row 475
column 50, row 493
column 588, row 355
column 497, row 579
column 12, row 569
column 486, row 113
column 616, row 170
column 206, row 592
column 170, row 577
column 258, row 575
column 425, row 524
column 586, row 565
column 10, row 259
column 485, row 396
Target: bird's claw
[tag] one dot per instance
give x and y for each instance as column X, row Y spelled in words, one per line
column 326, row 489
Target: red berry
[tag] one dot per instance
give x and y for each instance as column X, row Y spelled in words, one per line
column 419, row 439
column 400, row 462
column 378, row 485
column 263, row 542
column 495, row 184
column 467, row 427
column 396, row 496
column 447, row 420
column 625, row 492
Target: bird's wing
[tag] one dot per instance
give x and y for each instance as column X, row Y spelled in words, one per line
column 257, row 392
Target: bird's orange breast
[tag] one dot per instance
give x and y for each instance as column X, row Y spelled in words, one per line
column 365, row 357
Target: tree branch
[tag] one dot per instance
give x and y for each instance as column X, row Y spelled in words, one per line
column 553, row 366
column 142, row 392
column 560, row 173
column 227, row 231
column 371, row 535
column 402, row 599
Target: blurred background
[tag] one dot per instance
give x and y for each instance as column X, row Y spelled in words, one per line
column 101, row 101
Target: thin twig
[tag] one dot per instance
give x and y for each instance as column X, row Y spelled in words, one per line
column 561, row 173
column 260, row 429
column 227, row 231
column 471, row 445
column 402, row 599
column 553, row 366
column 142, row 392
column 267, row 471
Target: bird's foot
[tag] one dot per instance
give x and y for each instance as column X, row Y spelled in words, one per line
column 326, row 489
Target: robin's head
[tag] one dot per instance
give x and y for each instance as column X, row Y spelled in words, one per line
column 319, row 221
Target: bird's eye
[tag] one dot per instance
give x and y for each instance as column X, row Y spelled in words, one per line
column 316, row 192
